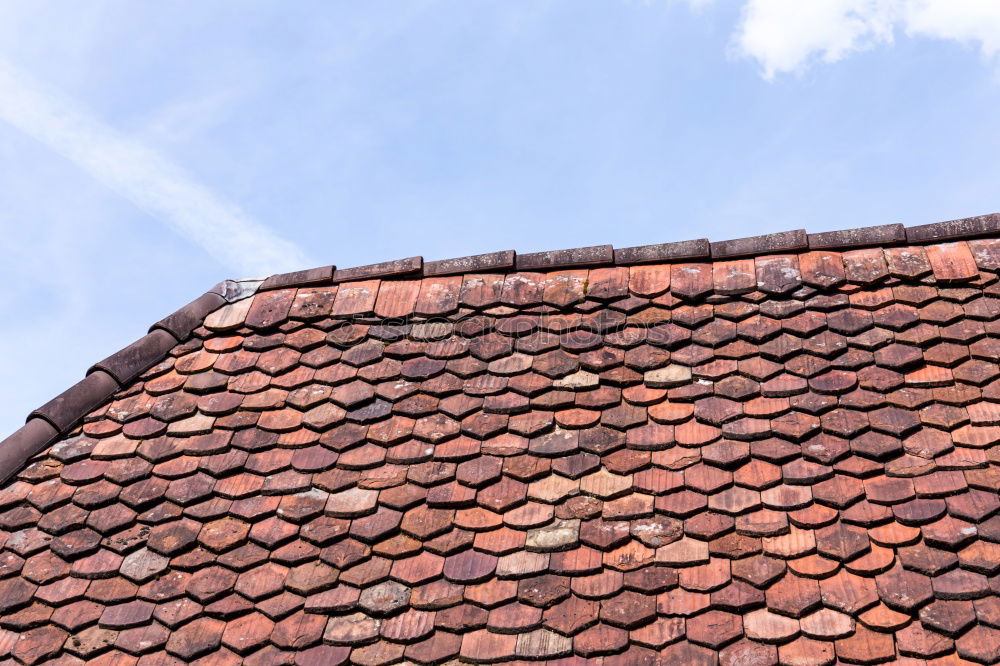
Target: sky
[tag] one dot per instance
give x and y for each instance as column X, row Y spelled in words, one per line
column 150, row 150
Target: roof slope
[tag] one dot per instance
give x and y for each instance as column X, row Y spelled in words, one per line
column 788, row 456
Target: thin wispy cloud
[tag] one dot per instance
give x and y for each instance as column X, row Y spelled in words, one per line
column 162, row 189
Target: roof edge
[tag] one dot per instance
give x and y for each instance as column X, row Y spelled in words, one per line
column 61, row 414
column 967, row 227
column 67, row 408
column 24, row 444
column 105, row 378
column 883, row 234
column 797, row 240
column 477, row 263
column 783, row 241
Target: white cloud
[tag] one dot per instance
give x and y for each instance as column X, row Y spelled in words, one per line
column 967, row 21
column 145, row 178
column 788, row 35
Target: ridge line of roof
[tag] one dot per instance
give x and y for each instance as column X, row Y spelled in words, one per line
column 796, row 240
column 58, row 416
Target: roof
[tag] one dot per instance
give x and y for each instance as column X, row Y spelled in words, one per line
column 779, row 448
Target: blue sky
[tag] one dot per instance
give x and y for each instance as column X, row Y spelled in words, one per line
column 149, row 150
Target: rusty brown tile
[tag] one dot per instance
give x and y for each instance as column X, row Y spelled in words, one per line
column 980, row 644
column 600, row 639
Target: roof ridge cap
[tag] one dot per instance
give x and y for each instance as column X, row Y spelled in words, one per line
column 795, row 240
